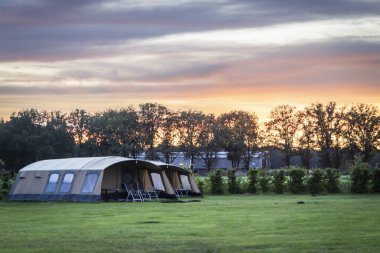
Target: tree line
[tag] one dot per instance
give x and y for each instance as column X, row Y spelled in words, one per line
column 334, row 132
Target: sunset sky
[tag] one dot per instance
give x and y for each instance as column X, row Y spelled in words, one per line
column 215, row 56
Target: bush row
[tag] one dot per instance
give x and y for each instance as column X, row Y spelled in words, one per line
column 293, row 180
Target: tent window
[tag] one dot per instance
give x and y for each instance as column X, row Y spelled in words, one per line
column 90, row 182
column 66, row 183
column 52, row 183
column 185, row 182
column 22, row 175
column 157, row 181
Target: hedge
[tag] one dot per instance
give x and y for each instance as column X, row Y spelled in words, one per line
column 252, row 180
column 296, row 184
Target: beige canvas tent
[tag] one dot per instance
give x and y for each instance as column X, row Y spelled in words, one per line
column 180, row 178
column 87, row 179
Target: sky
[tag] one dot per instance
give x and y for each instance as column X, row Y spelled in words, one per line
column 214, row 56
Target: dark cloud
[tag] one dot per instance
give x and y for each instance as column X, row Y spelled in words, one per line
column 42, row 12
column 169, row 70
column 52, row 90
column 287, row 10
column 63, row 43
column 192, row 15
column 101, row 89
column 52, row 30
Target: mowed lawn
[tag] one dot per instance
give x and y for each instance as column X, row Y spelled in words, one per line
column 239, row 223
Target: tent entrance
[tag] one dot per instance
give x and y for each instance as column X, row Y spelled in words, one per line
column 112, row 188
column 114, row 178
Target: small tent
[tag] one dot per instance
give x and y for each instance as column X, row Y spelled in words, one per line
column 179, row 178
column 86, row 179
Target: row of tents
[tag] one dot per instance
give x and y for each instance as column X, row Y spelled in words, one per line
column 91, row 179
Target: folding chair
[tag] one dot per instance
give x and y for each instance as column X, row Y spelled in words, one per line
column 132, row 194
column 143, row 194
column 182, row 192
column 177, row 192
column 153, row 193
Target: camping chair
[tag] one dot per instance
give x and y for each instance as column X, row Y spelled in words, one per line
column 177, row 192
column 132, row 194
column 185, row 192
column 153, row 193
column 143, row 194
column 182, row 192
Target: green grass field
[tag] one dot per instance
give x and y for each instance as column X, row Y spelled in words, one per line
column 241, row 223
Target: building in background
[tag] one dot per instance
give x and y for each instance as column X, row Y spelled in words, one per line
column 260, row 160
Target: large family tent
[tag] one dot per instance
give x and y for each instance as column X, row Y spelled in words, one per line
column 87, row 179
column 182, row 180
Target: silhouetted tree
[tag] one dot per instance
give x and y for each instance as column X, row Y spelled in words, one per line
column 31, row 135
column 327, row 127
column 306, row 140
column 208, row 144
column 151, row 118
column 190, row 127
column 238, row 135
column 282, row 128
column 56, row 142
column 78, row 126
column 169, row 133
column 362, row 129
column 116, row 132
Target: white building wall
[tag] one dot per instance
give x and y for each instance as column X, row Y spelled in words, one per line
column 222, row 162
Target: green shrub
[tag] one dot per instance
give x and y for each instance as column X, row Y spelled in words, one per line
column 1, row 190
column 315, row 182
column 332, row 180
column 4, row 188
column 279, row 181
column 252, row 180
column 242, row 183
column 345, row 183
column 3, row 194
column 233, row 187
column 264, row 182
column 296, row 184
column 376, row 180
column 200, row 184
column 10, row 183
column 360, row 175
column 216, row 182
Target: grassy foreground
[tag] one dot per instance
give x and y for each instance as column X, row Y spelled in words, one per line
column 242, row 223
